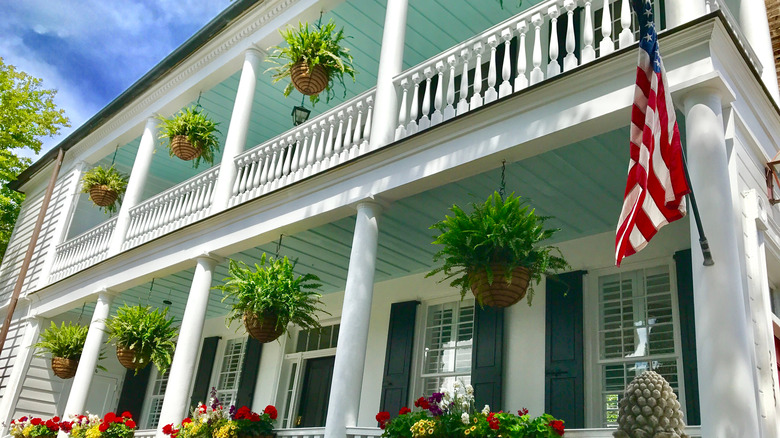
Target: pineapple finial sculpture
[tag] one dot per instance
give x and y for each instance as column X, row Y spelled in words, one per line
column 650, row 409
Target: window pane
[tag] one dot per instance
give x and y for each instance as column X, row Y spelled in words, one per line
column 449, row 331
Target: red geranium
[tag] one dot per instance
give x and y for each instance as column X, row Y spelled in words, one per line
column 422, row 403
column 36, row 421
column 104, row 426
column 271, row 411
column 522, row 412
column 186, row 421
column 127, row 414
column 404, row 410
column 109, row 417
column 493, row 421
column 53, row 425
column 130, row 423
column 66, row 426
column 557, row 426
column 167, row 429
column 383, row 417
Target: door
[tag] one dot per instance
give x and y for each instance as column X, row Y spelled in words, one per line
column 102, row 394
column 315, row 392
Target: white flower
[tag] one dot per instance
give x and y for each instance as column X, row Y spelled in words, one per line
column 464, row 418
column 469, row 389
column 456, row 385
column 465, row 405
column 486, row 410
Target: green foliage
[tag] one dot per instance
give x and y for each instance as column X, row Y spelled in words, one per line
column 498, row 232
column 112, row 178
column 273, row 287
column 27, row 114
column 401, row 426
column 318, row 45
column 195, row 124
column 65, row 341
column 149, row 333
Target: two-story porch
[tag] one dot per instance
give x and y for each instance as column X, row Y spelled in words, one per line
column 403, row 152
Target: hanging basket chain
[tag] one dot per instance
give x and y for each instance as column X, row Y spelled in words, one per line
column 279, row 246
column 113, row 159
column 502, row 187
column 197, row 102
column 149, row 298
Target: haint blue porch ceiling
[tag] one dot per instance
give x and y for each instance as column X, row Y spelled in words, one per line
column 432, row 27
column 581, row 185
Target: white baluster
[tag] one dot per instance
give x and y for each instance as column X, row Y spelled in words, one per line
column 521, row 81
column 350, row 128
column 449, row 110
column 553, row 68
column 367, row 128
column 243, row 178
column 297, row 155
column 476, row 97
column 266, row 159
column 272, row 164
column 537, row 75
column 412, row 127
column 491, row 94
column 506, row 66
column 588, row 53
column 288, row 151
column 707, row 6
column 570, row 61
column 311, row 159
column 626, row 35
column 606, row 46
column 329, row 144
column 400, row 131
column 357, row 138
column 438, row 101
column 321, row 146
column 463, row 104
column 425, row 121
column 304, row 148
column 278, row 166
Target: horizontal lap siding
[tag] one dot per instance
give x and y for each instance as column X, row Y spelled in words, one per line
column 9, row 353
column 41, row 391
column 20, row 239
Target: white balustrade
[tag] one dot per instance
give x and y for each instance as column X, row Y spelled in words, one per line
column 301, row 432
column 82, row 251
column 332, row 138
column 540, row 56
column 370, row 432
column 172, row 209
column 363, row 432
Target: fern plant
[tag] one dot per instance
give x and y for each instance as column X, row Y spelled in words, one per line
column 500, row 232
column 193, row 123
column 273, row 287
column 65, row 341
column 150, row 333
column 316, row 45
column 114, row 181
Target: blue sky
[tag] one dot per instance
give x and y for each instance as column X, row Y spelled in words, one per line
column 92, row 50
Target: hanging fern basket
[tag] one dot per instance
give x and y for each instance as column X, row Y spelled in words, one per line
column 183, row 148
column 263, row 328
column 500, row 293
column 309, row 82
column 127, row 357
column 102, row 196
column 64, row 368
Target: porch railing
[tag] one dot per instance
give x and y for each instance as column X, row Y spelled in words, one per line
column 505, row 73
column 301, row 432
column 174, row 208
column 338, row 135
column 146, row 433
column 82, row 251
column 366, row 432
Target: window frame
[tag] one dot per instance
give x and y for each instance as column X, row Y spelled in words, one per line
column 220, row 359
column 416, row 386
column 149, row 396
column 593, row 364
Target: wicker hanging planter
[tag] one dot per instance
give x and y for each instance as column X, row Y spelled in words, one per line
column 182, row 148
column 500, row 294
column 64, row 368
column 309, row 82
column 102, row 196
column 126, row 357
column 264, row 328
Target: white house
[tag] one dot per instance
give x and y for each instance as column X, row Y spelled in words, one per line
column 351, row 193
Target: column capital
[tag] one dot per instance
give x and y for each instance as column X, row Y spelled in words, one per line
column 152, row 122
column 702, row 89
column 376, row 204
column 209, row 258
column 255, row 51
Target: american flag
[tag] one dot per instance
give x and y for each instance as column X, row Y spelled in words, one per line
column 656, row 187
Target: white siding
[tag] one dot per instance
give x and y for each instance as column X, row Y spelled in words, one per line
column 47, row 240
column 9, row 353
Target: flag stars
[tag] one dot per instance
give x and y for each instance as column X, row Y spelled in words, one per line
column 649, row 37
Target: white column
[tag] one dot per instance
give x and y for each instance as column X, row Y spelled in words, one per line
column 77, row 400
column 135, row 186
column 755, row 25
column 353, row 334
column 21, row 363
column 390, row 64
column 235, row 142
column 682, row 11
column 185, row 359
column 723, row 338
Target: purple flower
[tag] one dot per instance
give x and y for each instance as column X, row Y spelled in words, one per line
column 435, row 397
column 214, row 399
column 232, row 412
column 435, row 410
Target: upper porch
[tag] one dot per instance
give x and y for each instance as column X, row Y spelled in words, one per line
column 513, row 62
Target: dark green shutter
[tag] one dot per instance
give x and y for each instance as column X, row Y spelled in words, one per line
column 487, row 356
column 398, row 356
column 249, row 369
column 564, row 375
column 200, row 391
column 688, row 334
column 133, row 392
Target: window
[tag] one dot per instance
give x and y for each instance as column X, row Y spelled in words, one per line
column 637, row 332
column 446, row 356
column 159, row 383
column 230, row 371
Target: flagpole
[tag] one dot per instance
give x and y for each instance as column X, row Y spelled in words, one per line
column 705, row 246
